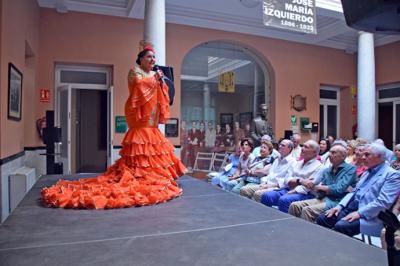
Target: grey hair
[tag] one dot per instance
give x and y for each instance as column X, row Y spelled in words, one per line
column 397, row 147
column 314, row 145
column 289, row 143
column 377, row 149
column 341, row 143
column 266, row 137
column 343, row 150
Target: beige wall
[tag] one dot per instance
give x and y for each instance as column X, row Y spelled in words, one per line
column 112, row 41
column 19, row 24
column 387, row 61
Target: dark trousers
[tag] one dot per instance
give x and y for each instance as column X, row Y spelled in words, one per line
column 336, row 223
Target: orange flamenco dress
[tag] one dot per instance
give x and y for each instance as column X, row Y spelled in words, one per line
column 146, row 172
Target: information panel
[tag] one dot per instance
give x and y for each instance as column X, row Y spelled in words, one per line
column 297, row 15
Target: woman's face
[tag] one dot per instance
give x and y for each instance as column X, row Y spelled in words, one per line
column 322, row 146
column 264, row 150
column 246, row 147
column 397, row 153
column 148, row 61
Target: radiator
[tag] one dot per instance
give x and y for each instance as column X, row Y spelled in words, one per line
column 19, row 183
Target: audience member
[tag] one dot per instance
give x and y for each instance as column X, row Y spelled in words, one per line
column 376, row 191
column 334, row 183
column 279, row 170
column 298, row 183
column 395, row 164
column 245, row 160
column 296, row 152
column 259, row 167
column 324, row 147
column 229, row 170
column 210, row 136
column 238, row 133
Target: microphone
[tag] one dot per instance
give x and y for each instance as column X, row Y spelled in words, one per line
column 156, row 68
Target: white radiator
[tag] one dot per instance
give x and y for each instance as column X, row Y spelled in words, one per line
column 19, row 183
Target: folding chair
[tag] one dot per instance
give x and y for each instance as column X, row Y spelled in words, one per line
column 203, row 157
column 219, row 161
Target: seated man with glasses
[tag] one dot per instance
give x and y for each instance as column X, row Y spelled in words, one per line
column 377, row 190
column 277, row 173
column 333, row 187
column 299, row 181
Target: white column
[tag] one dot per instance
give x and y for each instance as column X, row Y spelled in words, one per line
column 154, row 27
column 255, row 107
column 206, row 102
column 366, row 102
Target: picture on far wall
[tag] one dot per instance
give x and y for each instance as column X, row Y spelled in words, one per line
column 14, row 111
column 245, row 118
column 226, row 118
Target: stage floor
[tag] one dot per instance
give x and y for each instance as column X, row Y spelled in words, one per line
column 206, row 226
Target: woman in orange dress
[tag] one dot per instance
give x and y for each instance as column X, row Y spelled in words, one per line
column 146, row 172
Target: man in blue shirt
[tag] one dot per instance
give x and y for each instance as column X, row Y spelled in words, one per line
column 377, row 190
column 335, row 181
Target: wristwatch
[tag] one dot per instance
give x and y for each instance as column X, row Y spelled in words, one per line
column 298, row 181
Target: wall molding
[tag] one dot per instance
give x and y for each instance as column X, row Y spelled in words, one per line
column 12, row 157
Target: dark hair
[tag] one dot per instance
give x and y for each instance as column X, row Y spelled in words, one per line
column 249, row 141
column 328, row 146
column 142, row 54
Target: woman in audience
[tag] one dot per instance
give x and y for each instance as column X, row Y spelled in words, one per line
column 358, row 160
column 259, row 168
column 245, row 160
column 351, row 145
column 324, row 147
column 233, row 162
column 396, row 163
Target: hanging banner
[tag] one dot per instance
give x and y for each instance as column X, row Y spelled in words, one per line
column 296, row 15
column 226, row 82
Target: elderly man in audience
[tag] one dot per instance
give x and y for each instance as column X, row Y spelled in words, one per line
column 277, row 173
column 260, row 167
column 256, row 150
column 296, row 152
column 335, row 181
column 245, row 160
column 376, row 191
column 299, row 181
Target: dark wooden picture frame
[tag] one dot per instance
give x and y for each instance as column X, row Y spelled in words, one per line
column 245, row 118
column 226, row 118
column 14, row 100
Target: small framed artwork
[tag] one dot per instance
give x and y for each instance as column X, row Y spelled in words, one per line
column 14, row 111
column 226, row 118
column 245, row 118
column 172, row 128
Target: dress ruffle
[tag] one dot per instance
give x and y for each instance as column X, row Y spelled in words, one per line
column 146, row 172
column 144, row 175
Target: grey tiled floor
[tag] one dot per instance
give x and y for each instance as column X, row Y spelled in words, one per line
column 206, row 226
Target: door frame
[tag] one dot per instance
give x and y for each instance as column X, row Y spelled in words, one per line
column 394, row 101
column 105, row 87
column 336, row 102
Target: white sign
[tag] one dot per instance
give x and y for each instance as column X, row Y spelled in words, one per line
column 297, row 15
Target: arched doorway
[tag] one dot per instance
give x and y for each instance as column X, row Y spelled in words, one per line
column 222, row 85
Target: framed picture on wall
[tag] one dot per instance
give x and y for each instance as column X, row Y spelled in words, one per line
column 245, row 118
column 226, row 118
column 14, row 111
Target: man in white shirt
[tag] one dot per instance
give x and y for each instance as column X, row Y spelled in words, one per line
column 297, row 183
column 296, row 152
column 210, row 136
column 277, row 173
